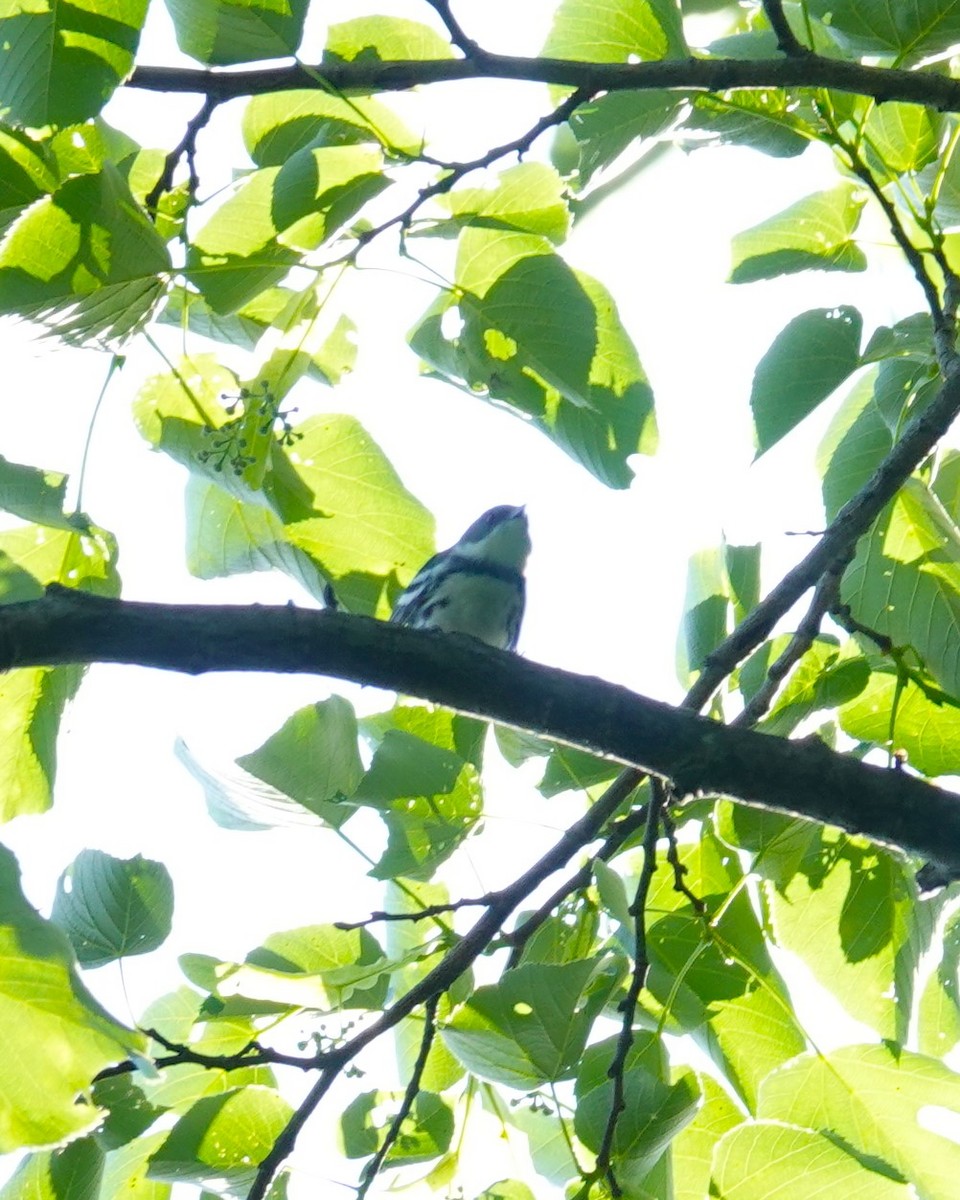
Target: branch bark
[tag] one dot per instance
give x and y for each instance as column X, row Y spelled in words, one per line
column 684, row 74
column 803, row 777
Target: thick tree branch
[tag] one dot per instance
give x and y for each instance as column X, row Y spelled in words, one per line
column 686, row 75
column 802, row 777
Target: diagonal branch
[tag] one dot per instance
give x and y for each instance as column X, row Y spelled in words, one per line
column 628, row 1005
column 444, row 974
column 454, row 172
column 919, row 437
column 372, row 1169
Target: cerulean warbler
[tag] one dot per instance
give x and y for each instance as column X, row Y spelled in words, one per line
column 476, row 586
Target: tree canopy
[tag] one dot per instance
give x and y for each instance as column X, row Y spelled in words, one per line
column 629, row 1014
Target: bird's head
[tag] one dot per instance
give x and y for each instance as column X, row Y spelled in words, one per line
column 499, row 536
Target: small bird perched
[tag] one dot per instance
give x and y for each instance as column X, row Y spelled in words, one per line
column 475, row 587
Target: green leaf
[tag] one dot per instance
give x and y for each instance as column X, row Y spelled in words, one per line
column 244, row 328
column 33, row 494
column 692, row 1150
column 223, row 32
column 225, row 536
column 32, row 699
column 126, row 1168
column 706, row 609
column 222, row 1140
column 32, row 702
column 339, row 499
column 113, row 908
column 907, row 32
column 236, row 255
column 764, row 1161
column 385, row 39
column 569, row 769
column 506, row 1189
column 911, row 338
column 128, row 1112
column 548, row 342
column 816, row 233
column 606, row 126
column 316, row 966
column 824, row 677
column 903, row 137
column 547, row 1137
column 765, row 120
column 743, row 575
column 906, row 717
column 85, row 260
column 616, row 31
column 528, row 198
column 870, row 1100
column 46, row 1012
column 73, row 1173
column 939, row 1008
column 807, row 361
column 25, row 172
column 59, row 63
column 313, row 758
column 856, row 441
column 849, row 913
column 319, row 189
column 425, row 1133
column 531, row 1027
column 404, row 766
column 179, row 1016
column 424, row 786
column 904, row 581
column 348, row 510
column 277, row 124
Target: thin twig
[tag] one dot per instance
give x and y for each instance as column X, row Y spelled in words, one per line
column 372, row 1169
column 679, row 870
column 944, row 331
column 626, row 782
column 628, row 1005
column 186, row 146
column 786, row 38
column 456, row 171
column 421, row 914
column 453, row 27
column 824, row 598
column 251, row 1055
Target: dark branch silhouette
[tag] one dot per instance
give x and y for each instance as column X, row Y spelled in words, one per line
column 682, row 74
column 802, row 777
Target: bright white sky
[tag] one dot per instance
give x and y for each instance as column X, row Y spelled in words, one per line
column 607, row 574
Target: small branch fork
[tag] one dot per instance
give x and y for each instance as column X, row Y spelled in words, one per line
column 453, row 27
column 421, row 914
column 187, row 146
